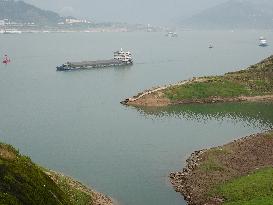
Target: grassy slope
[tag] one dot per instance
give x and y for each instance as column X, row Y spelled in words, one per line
column 256, row 80
column 251, row 189
column 255, row 188
column 23, row 182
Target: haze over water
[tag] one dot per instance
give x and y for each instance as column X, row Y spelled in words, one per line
column 72, row 121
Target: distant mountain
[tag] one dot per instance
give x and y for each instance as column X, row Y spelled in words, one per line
column 235, row 14
column 21, row 12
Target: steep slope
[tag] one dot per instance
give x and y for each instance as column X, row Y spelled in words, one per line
column 235, row 14
column 22, row 182
column 21, row 12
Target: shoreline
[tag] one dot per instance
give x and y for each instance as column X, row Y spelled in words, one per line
column 208, row 168
column 154, row 97
column 97, row 198
column 253, row 84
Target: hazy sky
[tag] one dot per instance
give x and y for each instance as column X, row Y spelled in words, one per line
column 132, row 11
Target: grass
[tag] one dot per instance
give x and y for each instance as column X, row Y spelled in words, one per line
column 255, row 188
column 23, row 182
column 200, row 90
column 212, row 164
column 256, row 80
column 76, row 196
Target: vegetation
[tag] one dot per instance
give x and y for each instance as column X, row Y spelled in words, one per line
column 256, row 80
column 255, row 188
column 23, row 182
column 234, row 14
column 77, row 193
column 218, row 87
column 237, row 173
column 22, row 12
column 212, row 164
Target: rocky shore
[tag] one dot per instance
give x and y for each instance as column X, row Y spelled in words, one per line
column 205, row 169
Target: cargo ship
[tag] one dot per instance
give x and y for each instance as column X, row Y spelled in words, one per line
column 121, row 58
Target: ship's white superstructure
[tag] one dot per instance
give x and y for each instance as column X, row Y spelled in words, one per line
column 123, row 56
column 171, row 34
column 263, row 42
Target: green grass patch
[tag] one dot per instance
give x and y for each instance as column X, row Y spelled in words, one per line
column 76, row 196
column 211, row 165
column 22, row 182
column 255, row 188
column 269, row 134
column 201, row 90
column 218, row 151
column 256, row 80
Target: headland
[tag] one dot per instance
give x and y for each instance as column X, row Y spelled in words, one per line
column 252, row 84
column 237, row 173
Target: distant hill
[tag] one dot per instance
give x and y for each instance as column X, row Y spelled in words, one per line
column 235, row 14
column 21, row 12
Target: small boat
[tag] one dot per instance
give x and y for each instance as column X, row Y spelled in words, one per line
column 263, row 42
column 6, row 60
column 211, row 46
column 12, row 31
column 171, row 34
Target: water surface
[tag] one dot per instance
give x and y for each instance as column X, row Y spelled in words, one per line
column 72, row 121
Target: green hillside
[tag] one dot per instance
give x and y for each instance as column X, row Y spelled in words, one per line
column 23, row 182
column 235, row 14
column 256, row 80
column 21, row 12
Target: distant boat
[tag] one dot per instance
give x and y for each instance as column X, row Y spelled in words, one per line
column 12, row 31
column 171, row 34
column 6, row 60
column 211, row 46
column 263, row 42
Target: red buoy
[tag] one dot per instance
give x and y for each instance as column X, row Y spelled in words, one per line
column 6, row 60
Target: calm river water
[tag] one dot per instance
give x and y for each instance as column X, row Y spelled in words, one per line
column 72, row 121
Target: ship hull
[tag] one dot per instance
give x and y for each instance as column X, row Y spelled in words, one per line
column 70, row 66
column 263, row 45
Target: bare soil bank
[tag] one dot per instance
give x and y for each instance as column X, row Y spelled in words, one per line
column 96, row 198
column 206, row 169
column 157, row 100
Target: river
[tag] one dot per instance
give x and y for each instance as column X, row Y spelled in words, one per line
column 73, row 122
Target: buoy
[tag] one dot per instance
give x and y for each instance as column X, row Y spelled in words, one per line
column 6, row 60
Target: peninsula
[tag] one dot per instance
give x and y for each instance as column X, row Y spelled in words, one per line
column 23, row 182
column 238, row 173
column 252, row 84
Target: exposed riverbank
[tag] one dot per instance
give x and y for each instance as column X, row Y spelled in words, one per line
column 229, row 174
column 23, row 182
column 77, row 191
column 252, row 84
